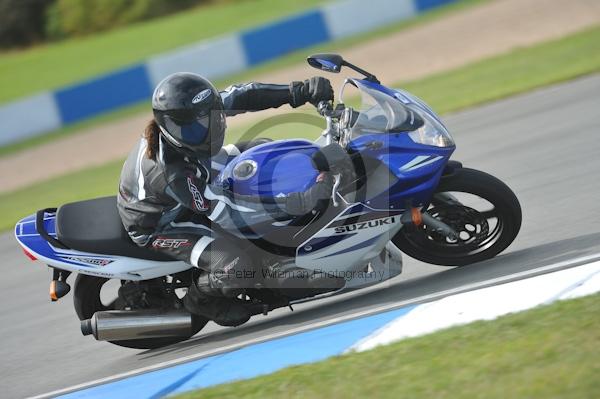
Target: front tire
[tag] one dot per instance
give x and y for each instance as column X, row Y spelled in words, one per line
column 87, row 301
column 482, row 233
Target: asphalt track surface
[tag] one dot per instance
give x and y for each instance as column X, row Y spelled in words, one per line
column 545, row 145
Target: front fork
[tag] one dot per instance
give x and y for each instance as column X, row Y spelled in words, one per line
column 416, row 217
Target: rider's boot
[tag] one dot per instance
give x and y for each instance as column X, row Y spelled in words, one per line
column 225, row 273
column 205, row 298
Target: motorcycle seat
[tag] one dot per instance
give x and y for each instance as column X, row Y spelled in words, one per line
column 95, row 226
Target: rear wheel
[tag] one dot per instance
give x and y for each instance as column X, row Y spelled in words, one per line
column 483, row 211
column 93, row 294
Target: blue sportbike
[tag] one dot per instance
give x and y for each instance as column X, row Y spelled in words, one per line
column 398, row 192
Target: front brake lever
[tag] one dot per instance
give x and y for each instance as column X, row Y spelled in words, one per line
column 337, row 179
column 324, row 108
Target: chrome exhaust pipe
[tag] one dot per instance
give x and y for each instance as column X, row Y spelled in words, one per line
column 116, row 325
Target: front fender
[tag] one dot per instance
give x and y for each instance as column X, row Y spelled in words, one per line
column 451, row 167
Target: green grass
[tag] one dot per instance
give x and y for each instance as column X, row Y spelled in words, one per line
column 518, row 71
column 282, row 62
column 546, row 352
column 57, row 64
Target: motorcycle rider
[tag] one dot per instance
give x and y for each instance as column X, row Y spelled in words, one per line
column 166, row 200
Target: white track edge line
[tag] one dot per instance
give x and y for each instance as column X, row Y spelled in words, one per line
column 324, row 323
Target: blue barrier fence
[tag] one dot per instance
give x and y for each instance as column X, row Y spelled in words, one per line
column 215, row 58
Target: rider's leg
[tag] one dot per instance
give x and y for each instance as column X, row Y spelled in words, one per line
column 211, row 294
column 230, row 273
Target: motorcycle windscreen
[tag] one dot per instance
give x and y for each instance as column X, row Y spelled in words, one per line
column 381, row 113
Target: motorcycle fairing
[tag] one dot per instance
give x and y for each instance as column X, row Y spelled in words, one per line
column 100, row 265
column 358, row 234
column 414, row 169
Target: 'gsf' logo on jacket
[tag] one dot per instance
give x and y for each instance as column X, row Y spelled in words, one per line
column 199, row 202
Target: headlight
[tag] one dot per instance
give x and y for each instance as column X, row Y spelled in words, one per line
column 431, row 133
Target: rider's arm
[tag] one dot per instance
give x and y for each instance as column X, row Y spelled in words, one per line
column 330, row 160
column 222, row 158
column 227, row 208
column 186, row 186
column 254, row 97
column 297, row 204
column 259, row 96
column 293, row 204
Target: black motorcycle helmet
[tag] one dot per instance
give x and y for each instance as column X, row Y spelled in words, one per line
column 189, row 112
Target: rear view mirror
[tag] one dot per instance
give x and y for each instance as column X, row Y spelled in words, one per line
column 326, row 62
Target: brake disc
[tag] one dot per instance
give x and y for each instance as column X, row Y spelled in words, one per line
column 472, row 227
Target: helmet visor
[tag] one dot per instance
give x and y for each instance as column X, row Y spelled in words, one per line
column 188, row 133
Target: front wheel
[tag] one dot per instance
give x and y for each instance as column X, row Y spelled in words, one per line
column 484, row 212
column 89, row 298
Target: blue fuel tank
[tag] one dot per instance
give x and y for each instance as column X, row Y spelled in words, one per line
column 274, row 169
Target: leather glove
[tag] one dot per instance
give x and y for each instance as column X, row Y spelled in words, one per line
column 301, row 203
column 312, row 90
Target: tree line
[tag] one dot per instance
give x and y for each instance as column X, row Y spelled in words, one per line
column 27, row 22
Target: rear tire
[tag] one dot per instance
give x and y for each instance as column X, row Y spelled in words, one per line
column 86, row 299
column 427, row 247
